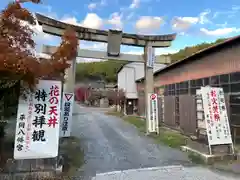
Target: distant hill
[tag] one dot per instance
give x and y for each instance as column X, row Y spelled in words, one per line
column 107, row 70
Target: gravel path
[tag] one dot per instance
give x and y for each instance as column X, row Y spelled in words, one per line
column 111, row 144
column 115, row 150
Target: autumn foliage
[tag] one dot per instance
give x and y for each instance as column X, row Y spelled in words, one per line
column 17, row 48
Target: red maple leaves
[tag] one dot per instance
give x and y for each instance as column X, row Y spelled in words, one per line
column 17, row 57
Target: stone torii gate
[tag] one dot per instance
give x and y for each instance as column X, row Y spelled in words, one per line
column 114, row 39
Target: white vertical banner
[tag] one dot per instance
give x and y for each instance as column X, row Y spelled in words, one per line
column 66, row 115
column 216, row 117
column 38, row 119
column 153, row 113
column 150, row 56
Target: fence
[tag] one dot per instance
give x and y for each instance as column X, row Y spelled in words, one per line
column 178, row 112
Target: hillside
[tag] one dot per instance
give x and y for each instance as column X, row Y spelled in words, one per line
column 107, row 70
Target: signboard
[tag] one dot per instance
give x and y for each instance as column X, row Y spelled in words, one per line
column 150, row 56
column 66, row 117
column 215, row 113
column 153, row 113
column 37, row 127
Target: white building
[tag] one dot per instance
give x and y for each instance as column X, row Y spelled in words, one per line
column 127, row 76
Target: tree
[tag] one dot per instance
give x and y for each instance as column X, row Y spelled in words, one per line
column 18, row 62
column 188, row 51
column 104, row 70
column 116, row 97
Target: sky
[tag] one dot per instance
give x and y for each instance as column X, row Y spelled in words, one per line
column 194, row 22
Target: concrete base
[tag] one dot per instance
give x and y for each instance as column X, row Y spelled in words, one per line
column 209, row 159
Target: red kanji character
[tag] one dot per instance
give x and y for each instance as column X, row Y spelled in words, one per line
column 215, row 109
column 213, row 93
column 53, row 110
column 216, row 117
column 214, row 101
column 52, row 121
column 53, row 100
column 54, row 91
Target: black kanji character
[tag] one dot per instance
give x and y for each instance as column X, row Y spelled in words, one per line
column 22, row 117
column 21, row 124
column 40, row 108
column 20, row 139
column 38, row 135
column 66, row 113
column 67, row 109
column 19, row 147
column 39, row 121
column 67, row 104
column 21, row 132
column 223, row 108
column 40, row 95
column 65, row 128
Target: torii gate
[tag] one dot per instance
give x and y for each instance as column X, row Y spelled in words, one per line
column 114, row 39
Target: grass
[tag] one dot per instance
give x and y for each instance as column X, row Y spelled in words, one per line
column 71, row 148
column 195, row 158
column 114, row 113
column 171, row 138
column 136, row 121
column 168, row 137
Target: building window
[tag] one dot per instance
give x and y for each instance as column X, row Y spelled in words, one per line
column 235, row 77
column 224, row 79
column 199, row 82
column 226, row 88
column 214, row 80
column 206, row 81
column 235, row 88
column 234, row 109
column 193, row 90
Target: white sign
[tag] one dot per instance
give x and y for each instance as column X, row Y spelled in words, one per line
column 66, row 117
column 37, row 128
column 153, row 113
column 216, row 118
column 150, row 56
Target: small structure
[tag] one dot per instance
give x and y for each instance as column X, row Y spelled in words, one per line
column 127, row 76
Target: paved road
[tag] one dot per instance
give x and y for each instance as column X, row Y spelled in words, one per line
column 111, row 144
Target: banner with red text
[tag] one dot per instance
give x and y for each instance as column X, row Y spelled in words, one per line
column 216, row 117
column 38, row 119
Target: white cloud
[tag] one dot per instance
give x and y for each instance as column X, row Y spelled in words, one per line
column 93, row 46
column 92, row 6
column 116, row 20
column 71, row 20
column 184, row 23
column 228, row 13
column 219, row 32
column 135, row 4
column 149, row 23
column 203, row 17
column 161, row 51
column 158, row 51
column 130, row 15
column 91, row 20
